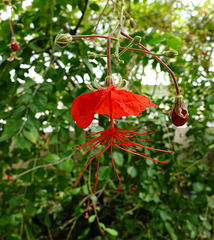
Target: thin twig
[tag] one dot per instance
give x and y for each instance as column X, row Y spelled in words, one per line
column 124, row 10
column 92, row 36
column 205, row 218
column 133, row 209
column 179, row 173
column 80, row 20
column 97, row 218
column 71, row 229
column 95, row 29
column 43, row 166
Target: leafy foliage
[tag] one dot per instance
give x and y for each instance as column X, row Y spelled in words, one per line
column 173, row 201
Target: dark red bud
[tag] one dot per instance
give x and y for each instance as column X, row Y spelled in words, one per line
column 179, row 113
column 9, row 177
column 177, row 120
column 15, row 46
column 86, row 215
column 119, row 189
column 176, row 191
column 204, row 53
column 134, row 190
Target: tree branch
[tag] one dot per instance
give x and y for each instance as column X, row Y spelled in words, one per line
column 73, row 31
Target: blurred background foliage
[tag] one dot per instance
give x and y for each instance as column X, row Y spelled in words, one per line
column 37, row 133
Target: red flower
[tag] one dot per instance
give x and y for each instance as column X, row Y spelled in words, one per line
column 123, row 102
column 134, row 190
column 179, row 113
column 115, row 103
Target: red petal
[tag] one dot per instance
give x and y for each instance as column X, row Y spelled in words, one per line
column 125, row 103
column 84, row 107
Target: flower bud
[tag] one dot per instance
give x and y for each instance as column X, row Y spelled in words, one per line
column 92, row 55
column 179, row 113
column 119, row 189
column 6, row 2
column 20, row 25
column 171, row 53
column 15, row 46
column 62, row 40
column 136, row 40
column 132, row 23
column 8, row 177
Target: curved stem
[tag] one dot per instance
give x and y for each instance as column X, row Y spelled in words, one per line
column 123, row 10
column 137, row 50
column 95, row 29
column 91, row 36
column 97, row 173
column 159, row 60
column 11, row 26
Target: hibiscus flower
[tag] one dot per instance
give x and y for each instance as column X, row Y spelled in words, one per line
column 115, row 103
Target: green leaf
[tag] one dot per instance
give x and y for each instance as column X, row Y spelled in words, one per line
column 25, row 98
column 47, row 221
column 22, row 143
column 104, row 173
column 4, row 220
column 118, row 158
column 208, row 226
column 75, row 191
column 94, row 7
column 31, row 134
column 92, row 218
column 171, row 231
column 30, row 207
column 51, row 158
column 132, row 171
column 198, row 187
column 111, row 231
column 67, row 165
column 97, row 128
column 173, row 42
column 102, row 225
column 165, row 216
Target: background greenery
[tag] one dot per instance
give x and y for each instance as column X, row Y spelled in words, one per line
column 153, row 201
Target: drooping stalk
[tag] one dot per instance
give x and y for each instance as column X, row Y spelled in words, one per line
column 11, row 26
column 160, row 61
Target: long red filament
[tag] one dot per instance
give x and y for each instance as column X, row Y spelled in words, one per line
column 120, row 138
